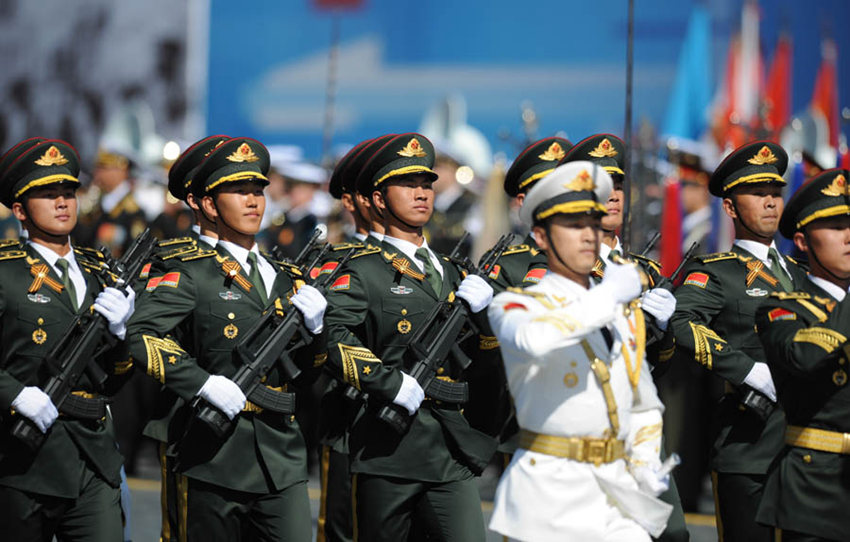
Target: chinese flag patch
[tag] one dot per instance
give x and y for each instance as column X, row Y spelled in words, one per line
column 342, row 283
column 146, row 271
column 535, row 275
column 170, row 279
column 328, row 268
column 696, row 279
column 494, row 273
column 781, row 314
column 152, row 283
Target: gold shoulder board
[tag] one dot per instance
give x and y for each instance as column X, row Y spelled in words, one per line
column 516, row 249
column 346, row 246
column 370, row 249
column 175, row 241
column 197, row 255
column 718, row 257
column 12, row 254
column 179, row 252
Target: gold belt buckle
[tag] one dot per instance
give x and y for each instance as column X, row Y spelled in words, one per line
column 596, row 451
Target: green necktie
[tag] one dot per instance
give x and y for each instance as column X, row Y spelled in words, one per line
column 431, row 274
column 63, row 264
column 255, row 277
column 778, row 272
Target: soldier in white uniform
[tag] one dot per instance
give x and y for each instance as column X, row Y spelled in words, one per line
column 588, row 466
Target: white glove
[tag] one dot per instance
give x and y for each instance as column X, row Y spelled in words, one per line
column 223, row 394
column 410, row 395
column 116, row 307
column 475, row 291
column 760, row 380
column 34, row 404
column 649, row 481
column 312, row 305
column 622, row 280
column 660, row 303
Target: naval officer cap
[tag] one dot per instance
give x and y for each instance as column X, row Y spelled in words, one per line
column 574, row 188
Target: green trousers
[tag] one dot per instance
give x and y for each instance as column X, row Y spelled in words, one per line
column 736, row 501
column 335, row 517
column 386, row 508
column 94, row 516
column 215, row 513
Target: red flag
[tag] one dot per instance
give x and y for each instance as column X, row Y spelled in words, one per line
column 778, row 91
column 825, row 95
column 671, row 228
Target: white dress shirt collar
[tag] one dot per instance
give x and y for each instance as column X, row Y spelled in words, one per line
column 240, row 254
column 831, row 288
column 760, row 251
column 74, row 271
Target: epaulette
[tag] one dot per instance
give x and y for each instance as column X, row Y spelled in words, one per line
column 516, row 249
column 12, row 254
column 370, row 249
column 198, row 254
column 175, row 241
column 817, row 306
column 649, row 261
column 717, row 257
column 346, row 246
column 292, row 269
column 179, row 252
column 6, row 244
column 90, row 253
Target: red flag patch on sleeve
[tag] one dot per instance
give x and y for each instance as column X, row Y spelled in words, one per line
column 494, row 273
column 342, row 283
column 146, row 271
column 535, row 275
column 152, row 283
column 696, row 279
column 328, row 268
column 170, row 279
column 314, row 272
column 781, row 314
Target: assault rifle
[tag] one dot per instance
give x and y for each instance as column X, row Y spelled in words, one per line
column 653, row 332
column 438, row 339
column 83, row 340
column 256, row 360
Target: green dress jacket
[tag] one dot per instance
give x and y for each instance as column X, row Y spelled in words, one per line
column 374, row 307
column 805, row 340
column 34, row 312
column 714, row 325
column 184, row 329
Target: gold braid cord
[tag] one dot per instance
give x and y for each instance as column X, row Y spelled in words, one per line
column 603, row 376
column 155, row 348
column 647, row 433
column 487, row 342
column 350, row 356
column 703, row 337
column 39, row 271
column 827, row 339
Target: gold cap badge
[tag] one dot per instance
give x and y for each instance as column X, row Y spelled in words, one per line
column 764, row 156
column 243, row 154
column 604, row 149
column 838, row 187
column 52, row 157
column 554, row 152
column 413, row 148
column 583, row 181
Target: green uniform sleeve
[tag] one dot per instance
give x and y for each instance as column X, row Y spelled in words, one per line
column 798, row 343
column 10, row 386
column 700, row 305
column 151, row 339
column 348, row 324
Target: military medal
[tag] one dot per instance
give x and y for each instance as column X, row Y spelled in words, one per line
column 231, row 331
column 39, row 335
column 404, row 326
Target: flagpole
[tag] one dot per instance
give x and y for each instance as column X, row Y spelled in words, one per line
column 625, row 233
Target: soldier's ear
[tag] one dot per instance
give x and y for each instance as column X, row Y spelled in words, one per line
column 801, row 242
column 19, row 211
column 729, row 207
column 540, row 237
column 520, row 198
column 378, row 200
column 208, row 205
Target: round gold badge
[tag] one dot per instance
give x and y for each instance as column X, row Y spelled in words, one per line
column 404, row 326
column 570, row 380
column 231, row 331
column 39, row 336
column 839, row 377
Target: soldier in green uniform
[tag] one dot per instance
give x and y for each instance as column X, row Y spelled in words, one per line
column 427, row 473
column 804, row 335
column 713, row 324
column 115, row 219
column 70, row 485
column 203, row 236
column 250, row 485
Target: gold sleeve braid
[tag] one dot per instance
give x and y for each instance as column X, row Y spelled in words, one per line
column 828, row 339
column 703, row 337
column 156, row 347
column 645, row 434
column 350, row 356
